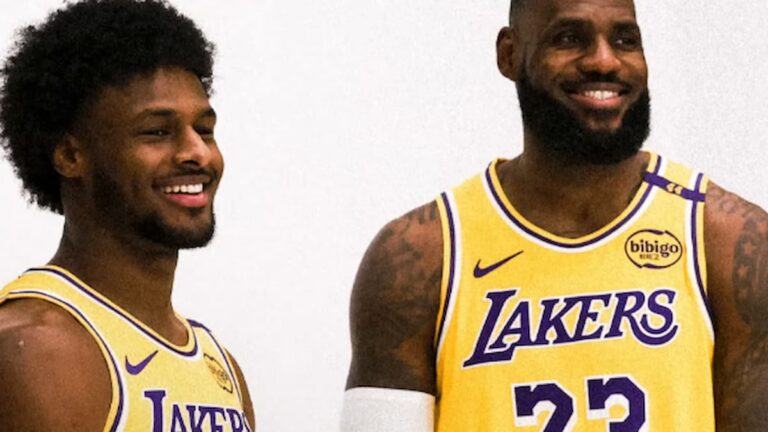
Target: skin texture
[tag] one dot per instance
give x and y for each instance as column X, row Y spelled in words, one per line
column 152, row 131
column 396, row 292
column 394, row 305
column 247, row 403
column 560, row 43
column 736, row 239
column 42, row 348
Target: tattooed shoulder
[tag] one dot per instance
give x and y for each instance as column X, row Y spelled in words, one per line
column 750, row 270
column 727, row 203
column 737, row 251
column 394, row 304
column 737, row 254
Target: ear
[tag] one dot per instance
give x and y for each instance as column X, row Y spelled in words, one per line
column 69, row 158
column 507, row 53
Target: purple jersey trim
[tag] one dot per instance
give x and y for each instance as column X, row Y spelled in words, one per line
column 194, row 323
column 544, row 239
column 73, row 309
column 128, row 318
column 663, row 183
column 694, row 240
column 451, row 268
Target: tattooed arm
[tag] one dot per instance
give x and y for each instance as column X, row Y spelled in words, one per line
column 736, row 241
column 394, row 305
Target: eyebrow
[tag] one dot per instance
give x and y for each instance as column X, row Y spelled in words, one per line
column 584, row 24
column 568, row 22
column 166, row 112
column 627, row 26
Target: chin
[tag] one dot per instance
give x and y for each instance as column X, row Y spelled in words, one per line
column 174, row 236
column 602, row 130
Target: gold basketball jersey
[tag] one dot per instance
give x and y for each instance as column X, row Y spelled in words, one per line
column 607, row 332
column 157, row 386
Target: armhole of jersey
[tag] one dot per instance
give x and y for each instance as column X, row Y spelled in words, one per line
column 451, row 265
column 117, row 404
column 231, row 365
column 699, row 183
column 701, row 256
column 225, row 356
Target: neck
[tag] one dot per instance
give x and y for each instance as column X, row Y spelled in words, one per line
column 569, row 200
column 135, row 276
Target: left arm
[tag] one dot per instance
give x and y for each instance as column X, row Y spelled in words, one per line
column 736, row 242
column 247, row 403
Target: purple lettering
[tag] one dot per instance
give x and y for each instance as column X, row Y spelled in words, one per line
column 211, row 412
column 156, row 397
column 649, row 317
column 522, row 314
column 195, row 422
column 217, row 417
column 498, row 300
column 668, row 330
column 549, row 322
column 586, row 315
column 626, row 311
column 236, row 420
column 177, row 421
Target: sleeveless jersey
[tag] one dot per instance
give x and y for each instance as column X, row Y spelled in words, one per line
column 157, row 386
column 607, row 332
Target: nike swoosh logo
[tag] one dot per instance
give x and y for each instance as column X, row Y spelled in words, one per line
column 482, row 271
column 138, row 367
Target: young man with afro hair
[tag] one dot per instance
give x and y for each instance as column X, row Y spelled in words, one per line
column 105, row 117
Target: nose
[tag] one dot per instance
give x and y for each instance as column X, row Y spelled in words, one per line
column 193, row 149
column 600, row 59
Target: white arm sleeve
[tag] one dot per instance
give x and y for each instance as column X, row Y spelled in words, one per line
column 373, row 409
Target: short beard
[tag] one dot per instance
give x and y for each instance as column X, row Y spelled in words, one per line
column 565, row 138
column 112, row 203
column 153, row 229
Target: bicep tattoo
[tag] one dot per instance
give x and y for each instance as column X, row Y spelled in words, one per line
column 743, row 380
column 750, row 272
column 394, row 306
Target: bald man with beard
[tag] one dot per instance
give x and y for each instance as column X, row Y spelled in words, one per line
column 582, row 285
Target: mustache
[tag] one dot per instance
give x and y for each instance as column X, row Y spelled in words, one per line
column 209, row 173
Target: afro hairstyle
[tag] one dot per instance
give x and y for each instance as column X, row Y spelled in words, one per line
column 58, row 67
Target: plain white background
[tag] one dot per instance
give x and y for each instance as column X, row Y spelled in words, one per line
column 336, row 116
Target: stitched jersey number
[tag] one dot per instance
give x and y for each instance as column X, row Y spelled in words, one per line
column 602, row 394
column 530, row 400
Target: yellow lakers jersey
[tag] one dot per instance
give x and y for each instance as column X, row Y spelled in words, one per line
column 607, row 332
column 156, row 385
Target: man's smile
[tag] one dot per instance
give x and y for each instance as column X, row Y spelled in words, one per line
column 187, row 190
column 598, row 95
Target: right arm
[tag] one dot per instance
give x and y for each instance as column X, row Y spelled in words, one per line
column 394, row 305
column 736, row 237
column 52, row 373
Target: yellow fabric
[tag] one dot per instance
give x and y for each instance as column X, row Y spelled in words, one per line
column 575, row 334
column 156, row 385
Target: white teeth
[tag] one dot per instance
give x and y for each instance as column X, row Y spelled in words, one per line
column 185, row 189
column 600, row 94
